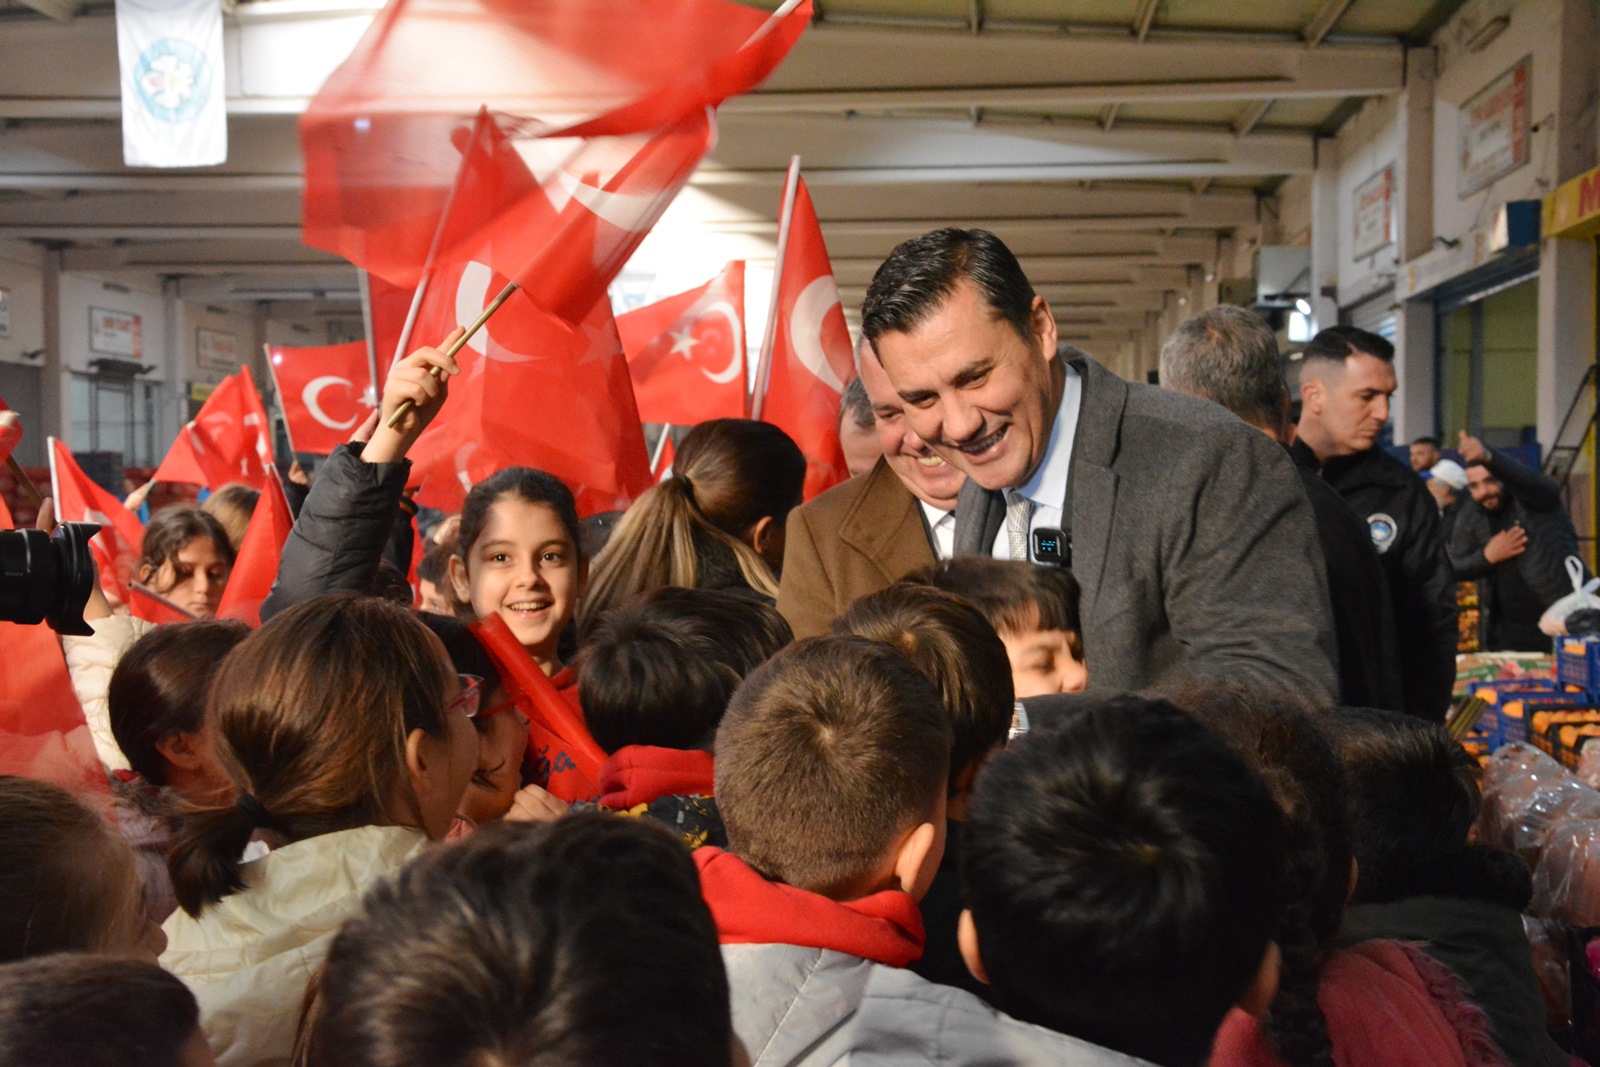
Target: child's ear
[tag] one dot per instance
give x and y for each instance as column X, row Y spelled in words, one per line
column 458, row 579
column 181, row 749
column 918, row 859
column 1263, row 988
column 967, row 942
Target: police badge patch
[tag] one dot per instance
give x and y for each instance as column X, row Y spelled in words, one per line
column 1383, row 529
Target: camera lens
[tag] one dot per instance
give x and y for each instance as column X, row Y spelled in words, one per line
column 47, row 578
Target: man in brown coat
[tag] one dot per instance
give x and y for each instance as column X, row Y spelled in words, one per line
column 870, row 531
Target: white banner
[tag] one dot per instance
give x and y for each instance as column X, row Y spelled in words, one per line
column 173, row 106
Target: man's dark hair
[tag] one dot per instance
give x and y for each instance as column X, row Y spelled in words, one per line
column 584, row 941
column 828, row 753
column 1229, row 356
column 1124, row 866
column 920, row 273
column 951, row 643
column 1281, row 741
column 854, row 405
column 660, row 668
column 79, row 1010
column 1339, row 343
column 1425, row 440
column 1413, row 800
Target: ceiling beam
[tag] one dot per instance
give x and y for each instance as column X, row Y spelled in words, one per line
column 60, row 10
column 1144, row 18
column 1324, row 20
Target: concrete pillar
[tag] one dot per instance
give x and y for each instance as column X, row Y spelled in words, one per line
column 1566, row 328
column 1412, row 411
column 1325, row 234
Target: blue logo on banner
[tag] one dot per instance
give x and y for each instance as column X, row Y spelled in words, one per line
column 174, row 79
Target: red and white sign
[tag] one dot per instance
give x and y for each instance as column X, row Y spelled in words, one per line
column 1374, row 214
column 1496, row 129
column 116, row 333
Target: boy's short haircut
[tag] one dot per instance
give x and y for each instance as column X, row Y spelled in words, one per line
column 1413, row 800
column 79, row 1010
column 950, row 642
column 659, row 669
column 1124, row 867
column 583, row 941
column 1016, row 597
column 828, row 753
column 434, row 566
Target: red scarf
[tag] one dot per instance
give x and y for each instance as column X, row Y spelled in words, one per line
column 638, row 774
column 885, row 927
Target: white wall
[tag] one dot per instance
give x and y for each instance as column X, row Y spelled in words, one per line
column 1369, row 142
column 21, row 274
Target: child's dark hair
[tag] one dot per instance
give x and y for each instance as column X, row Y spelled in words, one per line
column 1285, row 746
column 659, row 669
column 828, row 752
column 159, row 688
column 521, row 483
column 78, row 1010
column 584, row 941
column 1014, row 596
column 56, row 889
column 434, row 566
column 466, row 652
column 309, row 716
column 173, row 527
column 959, row 652
column 1413, row 800
column 1124, row 867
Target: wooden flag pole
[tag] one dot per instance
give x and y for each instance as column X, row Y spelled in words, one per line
column 460, row 343
column 758, row 394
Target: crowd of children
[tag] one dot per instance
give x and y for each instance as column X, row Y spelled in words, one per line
column 616, row 814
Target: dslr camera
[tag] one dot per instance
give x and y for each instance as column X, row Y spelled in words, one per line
column 47, row 577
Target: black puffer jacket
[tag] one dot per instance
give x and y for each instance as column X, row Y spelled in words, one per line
column 342, row 531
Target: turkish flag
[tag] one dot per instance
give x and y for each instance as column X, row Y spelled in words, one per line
column 10, row 436
column 533, row 391
column 256, row 567
column 228, row 441
column 79, row 499
column 389, row 306
column 377, row 139
column 566, row 759
column 686, row 353
column 812, row 358
column 325, row 392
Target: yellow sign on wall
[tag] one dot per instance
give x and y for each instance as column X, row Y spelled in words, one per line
column 1573, row 210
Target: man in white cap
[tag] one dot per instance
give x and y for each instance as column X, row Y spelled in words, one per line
column 1446, row 479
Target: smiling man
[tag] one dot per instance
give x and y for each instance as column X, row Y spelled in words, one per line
column 1188, row 531
column 874, row 529
column 1346, row 380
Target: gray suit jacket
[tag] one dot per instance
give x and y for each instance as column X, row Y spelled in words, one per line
column 1193, row 541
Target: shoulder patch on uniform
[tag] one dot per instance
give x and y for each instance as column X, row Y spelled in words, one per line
column 1383, row 530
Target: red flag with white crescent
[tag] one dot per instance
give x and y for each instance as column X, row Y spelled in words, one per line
column 79, row 499
column 812, row 357
column 533, row 391
column 687, row 353
column 230, row 440
column 325, row 392
column 377, row 139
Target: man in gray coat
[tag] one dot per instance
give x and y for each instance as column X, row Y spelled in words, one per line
column 1189, row 532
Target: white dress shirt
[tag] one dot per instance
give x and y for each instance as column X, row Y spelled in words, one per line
column 1049, row 480
column 943, row 525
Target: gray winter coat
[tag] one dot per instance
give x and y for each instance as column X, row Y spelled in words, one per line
column 819, row 1008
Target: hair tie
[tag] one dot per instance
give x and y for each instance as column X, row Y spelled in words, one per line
column 688, row 486
column 258, row 814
